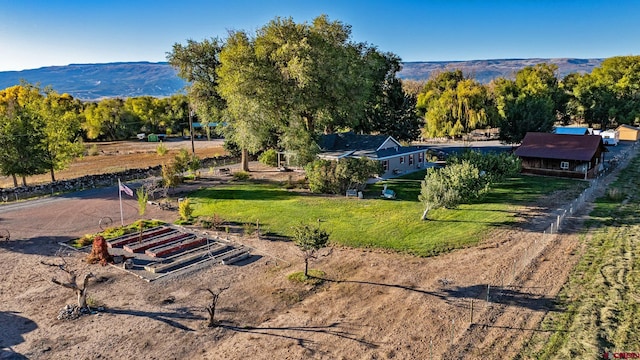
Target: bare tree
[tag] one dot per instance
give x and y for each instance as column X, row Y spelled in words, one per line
column 211, row 308
column 72, row 283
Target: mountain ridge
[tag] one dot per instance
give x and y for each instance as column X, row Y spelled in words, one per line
column 91, row 82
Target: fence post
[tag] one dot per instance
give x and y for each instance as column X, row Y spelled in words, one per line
column 453, row 321
column 471, row 316
column 431, row 348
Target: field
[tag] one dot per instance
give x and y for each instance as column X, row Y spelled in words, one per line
column 107, row 157
column 600, row 301
column 487, row 300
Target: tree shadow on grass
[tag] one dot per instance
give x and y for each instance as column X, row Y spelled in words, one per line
column 165, row 317
column 13, row 334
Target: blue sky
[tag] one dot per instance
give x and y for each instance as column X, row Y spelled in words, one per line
column 52, row 32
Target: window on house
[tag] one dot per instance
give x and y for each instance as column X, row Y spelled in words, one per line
column 401, row 159
column 420, row 157
column 411, row 159
column 564, row 165
column 385, row 165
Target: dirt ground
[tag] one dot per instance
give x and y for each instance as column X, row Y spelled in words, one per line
column 477, row 303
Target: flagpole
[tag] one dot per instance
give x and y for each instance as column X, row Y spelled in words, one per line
column 120, row 197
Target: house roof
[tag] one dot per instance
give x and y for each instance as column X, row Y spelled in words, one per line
column 559, row 146
column 625, row 126
column 361, row 145
column 571, row 130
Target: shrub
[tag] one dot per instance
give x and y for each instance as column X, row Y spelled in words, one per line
column 170, row 176
column 615, row 194
column 143, row 196
column 93, row 150
column 185, row 210
column 335, row 177
column 211, row 222
column 194, row 163
column 269, row 158
column 161, row 149
column 249, row 229
column 452, row 185
column 241, row 175
column 182, row 161
column 496, row 166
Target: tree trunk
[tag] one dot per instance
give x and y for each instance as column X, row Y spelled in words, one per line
column 53, row 176
column 15, row 180
column 306, row 267
column 309, row 122
column 245, row 160
column 24, row 181
column 424, row 214
column 82, row 298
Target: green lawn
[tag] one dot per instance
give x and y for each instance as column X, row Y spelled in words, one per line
column 372, row 221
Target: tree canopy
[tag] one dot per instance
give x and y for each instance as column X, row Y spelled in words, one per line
column 531, row 102
column 39, row 131
column 454, row 104
column 288, row 82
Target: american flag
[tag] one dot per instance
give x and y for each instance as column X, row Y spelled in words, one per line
column 125, row 188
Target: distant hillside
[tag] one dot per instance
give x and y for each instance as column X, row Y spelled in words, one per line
column 97, row 81
column 129, row 79
column 486, row 70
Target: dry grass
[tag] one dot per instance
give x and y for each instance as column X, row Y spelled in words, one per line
column 120, row 156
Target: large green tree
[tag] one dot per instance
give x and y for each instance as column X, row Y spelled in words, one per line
column 393, row 113
column 532, row 102
column 453, row 104
column 297, row 80
column 198, row 63
column 150, row 112
column 22, row 132
column 61, row 141
column 109, row 120
column 610, row 94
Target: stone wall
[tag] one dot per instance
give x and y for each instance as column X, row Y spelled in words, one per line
column 94, row 181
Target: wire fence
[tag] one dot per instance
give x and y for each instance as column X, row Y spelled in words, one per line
column 503, row 292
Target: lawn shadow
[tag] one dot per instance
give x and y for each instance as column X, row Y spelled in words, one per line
column 13, row 334
column 165, row 317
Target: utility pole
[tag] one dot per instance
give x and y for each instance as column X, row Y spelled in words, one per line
column 193, row 148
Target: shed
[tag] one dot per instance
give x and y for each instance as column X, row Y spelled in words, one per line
column 628, row 133
column 562, row 155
